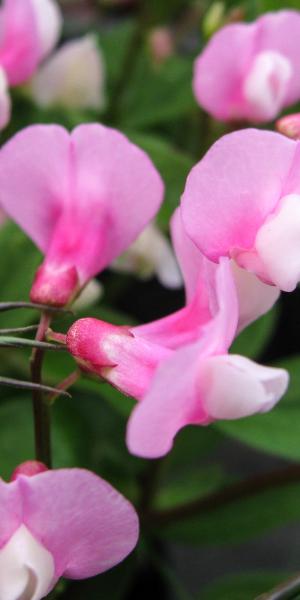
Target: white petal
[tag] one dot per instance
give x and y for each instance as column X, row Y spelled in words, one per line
column 266, row 85
column 234, row 386
column 26, row 568
column 278, row 244
column 254, row 296
column 5, row 102
column 49, row 21
column 73, row 77
column 151, row 254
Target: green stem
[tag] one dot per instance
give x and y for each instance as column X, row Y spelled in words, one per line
column 227, row 495
column 285, row 591
column 63, row 386
column 41, row 408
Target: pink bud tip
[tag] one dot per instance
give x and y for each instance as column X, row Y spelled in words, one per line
column 29, row 469
column 55, row 287
column 88, row 340
column 289, row 126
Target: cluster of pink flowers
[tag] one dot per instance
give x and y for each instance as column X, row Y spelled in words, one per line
column 83, row 198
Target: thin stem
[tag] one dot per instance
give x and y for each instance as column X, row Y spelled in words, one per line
column 227, row 495
column 15, row 305
column 15, row 342
column 64, row 385
column 41, row 409
column 12, row 330
column 285, row 591
column 28, row 385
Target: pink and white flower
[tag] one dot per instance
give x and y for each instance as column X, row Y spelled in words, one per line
column 29, row 31
column 66, row 522
column 251, row 71
column 178, row 367
column 82, row 198
column 242, row 200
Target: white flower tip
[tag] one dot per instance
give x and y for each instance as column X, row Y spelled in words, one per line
column 277, row 244
column 26, row 568
column 234, row 386
column 49, row 22
column 266, row 85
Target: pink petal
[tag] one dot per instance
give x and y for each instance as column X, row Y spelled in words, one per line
column 231, row 192
column 31, row 193
column 95, row 171
column 174, row 398
column 117, row 180
column 220, row 69
column 281, row 31
column 10, row 511
column 48, row 18
column 80, row 519
column 19, row 46
column 251, row 71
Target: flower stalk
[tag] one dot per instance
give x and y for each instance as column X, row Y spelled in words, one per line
column 41, row 407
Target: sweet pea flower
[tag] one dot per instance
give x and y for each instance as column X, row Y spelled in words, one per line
column 29, row 31
column 82, row 198
column 250, row 72
column 150, row 255
column 242, row 200
column 178, row 368
column 65, row 80
column 65, row 522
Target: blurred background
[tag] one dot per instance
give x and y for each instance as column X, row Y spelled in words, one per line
column 209, row 544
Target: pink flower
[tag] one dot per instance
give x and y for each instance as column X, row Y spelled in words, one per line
column 243, row 201
column 29, row 31
column 251, row 71
column 178, row 367
column 67, row 522
column 82, row 198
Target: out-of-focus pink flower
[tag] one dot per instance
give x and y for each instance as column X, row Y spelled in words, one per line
column 178, row 367
column 29, row 31
column 82, row 197
column 289, row 126
column 251, row 71
column 67, row 522
column 242, row 200
column 161, row 44
column 65, row 80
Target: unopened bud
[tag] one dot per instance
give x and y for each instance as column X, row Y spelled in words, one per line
column 55, row 287
column 29, row 469
column 289, row 126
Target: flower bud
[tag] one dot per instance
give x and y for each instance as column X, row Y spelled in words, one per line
column 289, row 126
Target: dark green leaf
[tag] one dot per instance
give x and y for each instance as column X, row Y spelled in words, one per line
column 242, row 587
column 239, row 520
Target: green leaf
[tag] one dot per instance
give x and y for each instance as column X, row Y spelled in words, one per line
column 173, row 165
column 157, row 95
column 19, row 260
column 253, row 340
column 239, row 520
column 189, row 485
column 276, row 432
column 242, row 587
